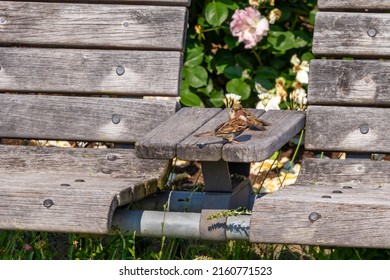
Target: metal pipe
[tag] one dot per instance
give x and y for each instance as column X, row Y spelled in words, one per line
column 174, row 224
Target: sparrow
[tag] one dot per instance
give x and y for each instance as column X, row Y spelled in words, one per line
column 229, row 129
column 253, row 122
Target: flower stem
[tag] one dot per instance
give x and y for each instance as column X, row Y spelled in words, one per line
column 257, row 56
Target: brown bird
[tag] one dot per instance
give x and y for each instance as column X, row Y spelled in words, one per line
column 229, row 129
column 253, row 121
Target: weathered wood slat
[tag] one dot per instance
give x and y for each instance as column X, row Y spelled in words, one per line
column 161, row 142
column 90, row 71
column 85, row 185
column 345, row 173
column 342, row 213
column 80, row 118
column 262, row 144
column 254, row 146
column 83, row 25
column 118, row 171
column 352, row 34
column 344, row 82
column 348, row 129
column 185, row 3
column 354, row 5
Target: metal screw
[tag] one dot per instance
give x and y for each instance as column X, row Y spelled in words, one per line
column 48, row 203
column 364, row 128
column 314, row 216
column 372, row 32
column 125, row 24
column 120, row 70
column 3, row 21
column 111, row 157
column 65, row 185
column 326, row 196
column 116, row 118
column 337, row 191
column 79, row 180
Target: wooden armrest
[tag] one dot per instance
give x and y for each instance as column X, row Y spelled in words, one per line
column 175, row 137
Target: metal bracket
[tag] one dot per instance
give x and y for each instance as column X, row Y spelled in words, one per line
column 226, row 187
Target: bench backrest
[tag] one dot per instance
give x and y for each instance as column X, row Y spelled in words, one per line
column 349, row 98
column 80, row 71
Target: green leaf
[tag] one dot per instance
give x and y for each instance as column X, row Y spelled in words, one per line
column 216, row 98
column 267, row 72
column 301, row 39
column 208, row 89
column 216, row 13
column 307, row 56
column 239, row 87
column 244, row 60
column 197, row 76
column 312, row 16
column 230, row 4
column 267, row 84
column 281, row 41
column 194, row 57
column 223, row 59
column 232, row 72
column 189, row 98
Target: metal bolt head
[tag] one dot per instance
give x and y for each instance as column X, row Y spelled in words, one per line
column 125, row 24
column 116, row 118
column 48, row 203
column 372, row 32
column 3, row 21
column 314, row 216
column 120, row 70
column 364, row 128
column 111, row 157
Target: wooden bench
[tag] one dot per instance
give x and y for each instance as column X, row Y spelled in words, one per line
column 340, row 202
column 90, row 71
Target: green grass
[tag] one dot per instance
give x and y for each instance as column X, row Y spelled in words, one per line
column 39, row 246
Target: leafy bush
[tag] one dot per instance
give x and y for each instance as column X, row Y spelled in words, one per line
column 273, row 71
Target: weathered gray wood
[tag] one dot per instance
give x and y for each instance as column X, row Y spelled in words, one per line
column 161, row 142
column 116, row 170
column 354, row 5
column 80, row 118
column 83, row 25
column 185, row 3
column 346, row 34
column 85, row 185
column 345, row 173
column 353, row 214
column 90, row 71
column 254, row 146
column 207, row 148
column 262, row 144
column 349, row 82
column 348, row 129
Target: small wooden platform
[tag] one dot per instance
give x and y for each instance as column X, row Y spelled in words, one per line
column 174, row 138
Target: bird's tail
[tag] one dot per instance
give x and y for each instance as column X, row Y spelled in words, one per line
column 207, row 133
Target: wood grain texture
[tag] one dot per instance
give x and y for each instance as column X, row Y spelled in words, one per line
column 354, row 5
column 346, row 173
column 346, row 35
column 253, row 146
column 80, row 118
column 185, row 3
column 92, row 26
column 161, row 142
column 345, row 82
column 263, row 144
column 86, row 185
column 349, row 214
column 339, row 129
column 90, row 71
column 119, row 170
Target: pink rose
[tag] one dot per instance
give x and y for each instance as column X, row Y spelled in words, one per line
column 249, row 26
